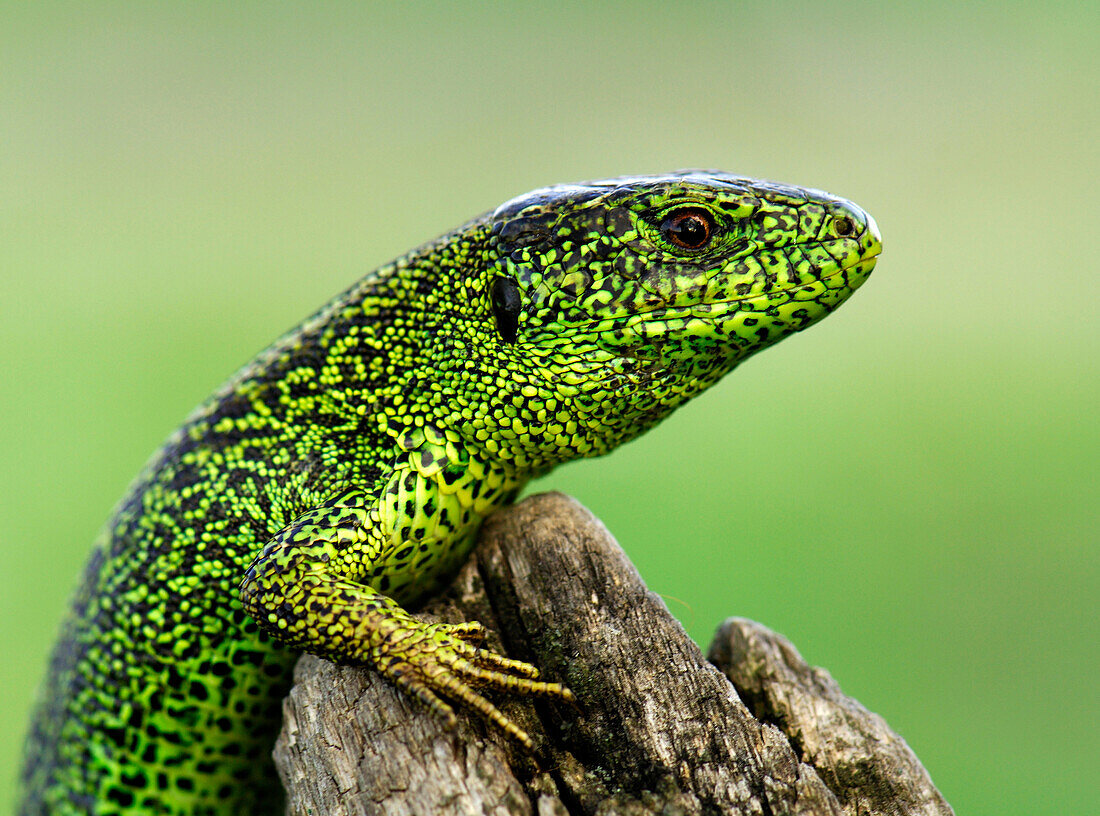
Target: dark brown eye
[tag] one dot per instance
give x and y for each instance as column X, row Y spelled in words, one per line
column 688, row 228
column 843, row 226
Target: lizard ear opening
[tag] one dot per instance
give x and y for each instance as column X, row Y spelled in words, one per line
column 505, row 300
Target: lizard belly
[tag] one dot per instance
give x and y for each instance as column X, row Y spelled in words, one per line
column 432, row 509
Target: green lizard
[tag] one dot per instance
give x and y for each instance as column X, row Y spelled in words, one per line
column 343, row 473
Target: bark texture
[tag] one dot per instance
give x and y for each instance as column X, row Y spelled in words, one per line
column 658, row 730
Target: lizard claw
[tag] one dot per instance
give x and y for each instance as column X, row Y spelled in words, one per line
column 432, row 661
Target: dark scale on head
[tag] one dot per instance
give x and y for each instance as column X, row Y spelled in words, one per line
column 347, row 468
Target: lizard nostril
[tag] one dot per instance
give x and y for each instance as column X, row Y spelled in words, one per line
column 843, row 226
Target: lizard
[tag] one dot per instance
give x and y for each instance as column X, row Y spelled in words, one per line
column 341, row 476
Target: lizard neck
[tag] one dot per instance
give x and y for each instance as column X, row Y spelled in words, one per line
column 413, row 344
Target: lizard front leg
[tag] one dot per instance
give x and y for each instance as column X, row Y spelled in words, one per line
column 321, row 585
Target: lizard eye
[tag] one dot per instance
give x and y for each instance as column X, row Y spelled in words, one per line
column 688, row 228
column 505, row 300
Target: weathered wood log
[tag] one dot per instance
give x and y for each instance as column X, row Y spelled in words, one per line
column 658, row 728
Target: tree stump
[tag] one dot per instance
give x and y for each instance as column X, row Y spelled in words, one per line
column 657, row 729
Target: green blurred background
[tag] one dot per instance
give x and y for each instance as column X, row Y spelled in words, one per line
column 908, row 491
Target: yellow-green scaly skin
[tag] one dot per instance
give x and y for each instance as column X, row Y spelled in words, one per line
column 347, row 468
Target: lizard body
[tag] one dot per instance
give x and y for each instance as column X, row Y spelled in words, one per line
column 346, row 470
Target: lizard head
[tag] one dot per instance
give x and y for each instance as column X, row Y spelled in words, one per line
column 668, row 267
column 615, row 301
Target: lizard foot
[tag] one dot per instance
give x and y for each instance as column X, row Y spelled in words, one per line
column 436, row 660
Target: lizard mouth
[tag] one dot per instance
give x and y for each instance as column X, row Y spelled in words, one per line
column 861, row 268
